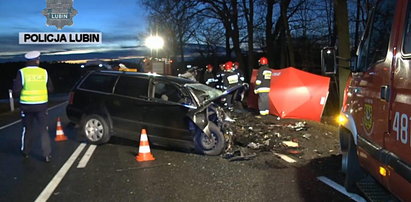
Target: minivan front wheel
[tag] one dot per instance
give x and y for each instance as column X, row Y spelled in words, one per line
column 95, row 129
column 210, row 145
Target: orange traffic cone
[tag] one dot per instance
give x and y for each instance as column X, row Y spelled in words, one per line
column 59, row 132
column 144, row 153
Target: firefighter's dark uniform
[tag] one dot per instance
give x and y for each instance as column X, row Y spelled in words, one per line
column 262, row 88
column 209, row 79
column 230, row 79
column 239, row 94
column 32, row 85
column 219, row 79
column 240, row 75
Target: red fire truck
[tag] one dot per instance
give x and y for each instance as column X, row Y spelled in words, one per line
column 375, row 130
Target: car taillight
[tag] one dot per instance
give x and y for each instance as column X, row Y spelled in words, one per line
column 71, row 98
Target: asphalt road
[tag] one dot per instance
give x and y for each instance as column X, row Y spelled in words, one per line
column 112, row 174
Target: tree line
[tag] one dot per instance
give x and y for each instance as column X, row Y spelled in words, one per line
column 287, row 32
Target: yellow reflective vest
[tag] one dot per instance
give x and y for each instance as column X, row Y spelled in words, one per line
column 34, row 81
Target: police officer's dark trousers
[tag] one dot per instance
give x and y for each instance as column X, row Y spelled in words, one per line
column 33, row 120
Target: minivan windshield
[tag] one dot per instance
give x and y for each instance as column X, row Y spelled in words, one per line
column 203, row 92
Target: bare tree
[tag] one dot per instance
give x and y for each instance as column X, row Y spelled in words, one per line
column 269, row 36
column 209, row 38
column 248, row 10
column 227, row 12
column 341, row 14
column 289, row 32
column 287, row 47
column 175, row 20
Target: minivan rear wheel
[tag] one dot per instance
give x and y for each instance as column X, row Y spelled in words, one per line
column 95, row 129
column 210, row 145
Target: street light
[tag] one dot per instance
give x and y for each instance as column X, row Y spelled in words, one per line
column 154, row 42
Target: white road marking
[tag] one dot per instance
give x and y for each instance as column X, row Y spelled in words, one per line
column 10, row 124
column 341, row 189
column 18, row 121
column 46, row 193
column 55, row 106
column 83, row 162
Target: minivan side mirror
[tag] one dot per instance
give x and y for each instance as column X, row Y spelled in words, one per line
column 328, row 61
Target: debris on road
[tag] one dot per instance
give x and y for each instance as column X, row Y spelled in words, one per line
column 285, row 158
column 239, row 154
column 298, row 126
column 304, row 140
column 290, row 143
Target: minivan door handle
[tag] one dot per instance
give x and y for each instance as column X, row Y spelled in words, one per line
column 385, row 93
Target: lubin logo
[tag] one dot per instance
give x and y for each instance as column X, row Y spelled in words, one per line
column 59, row 13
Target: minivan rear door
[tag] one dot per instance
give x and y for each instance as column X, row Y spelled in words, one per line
column 128, row 106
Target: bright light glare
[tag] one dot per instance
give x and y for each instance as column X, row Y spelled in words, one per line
column 382, row 171
column 154, row 42
column 341, row 119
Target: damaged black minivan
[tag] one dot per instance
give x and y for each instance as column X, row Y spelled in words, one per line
column 174, row 111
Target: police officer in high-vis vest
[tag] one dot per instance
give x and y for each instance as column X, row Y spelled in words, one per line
column 32, row 85
column 262, row 86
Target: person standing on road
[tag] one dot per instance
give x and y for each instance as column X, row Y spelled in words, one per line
column 237, row 70
column 239, row 94
column 230, row 79
column 32, row 85
column 262, row 86
column 219, row 77
column 208, row 76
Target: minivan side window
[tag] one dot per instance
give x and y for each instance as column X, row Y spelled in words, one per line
column 167, row 92
column 99, row 82
column 407, row 34
column 132, row 86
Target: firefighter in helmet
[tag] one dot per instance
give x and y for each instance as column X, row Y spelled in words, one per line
column 230, row 79
column 219, row 76
column 239, row 94
column 262, row 86
column 237, row 70
column 209, row 76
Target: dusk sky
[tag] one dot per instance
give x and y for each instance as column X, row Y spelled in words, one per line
column 120, row 22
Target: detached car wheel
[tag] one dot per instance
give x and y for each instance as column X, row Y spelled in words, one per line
column 95, row 129
column 212, row 145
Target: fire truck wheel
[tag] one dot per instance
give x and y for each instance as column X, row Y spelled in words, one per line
column 354, row 172
column 344, row 139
